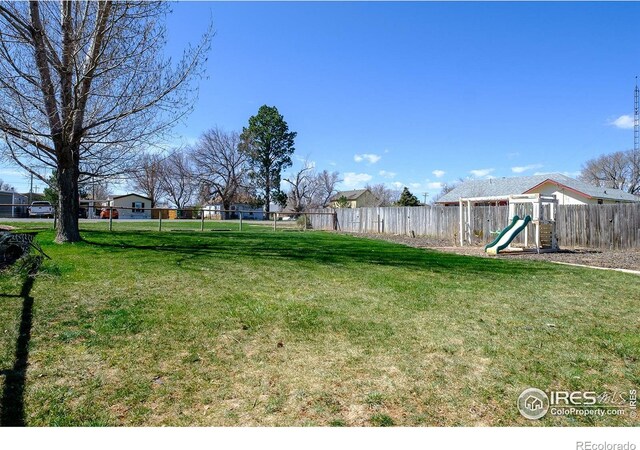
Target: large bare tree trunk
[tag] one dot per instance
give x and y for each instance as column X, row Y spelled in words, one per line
column 67, row 183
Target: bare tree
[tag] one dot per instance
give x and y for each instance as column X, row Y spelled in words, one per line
column 326, row 183
column 619, row 170
column 387, row 196
column 98, row 189
column 445, row 189
column 177, row 179
column 221, row 167
column 5, row 186
column 82, row 83
column 146, row 178
column 303, row 187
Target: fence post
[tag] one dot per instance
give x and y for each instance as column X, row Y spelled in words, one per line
column 55, row 218
column 240, row 220
column 274, row 221
column 202, row 220
column 160, row 220
column 110, row 219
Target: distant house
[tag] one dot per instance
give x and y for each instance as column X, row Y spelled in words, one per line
column 138, row 206
column 567, row 190
column 358, row 198
column 249, row 212
column 13, row 198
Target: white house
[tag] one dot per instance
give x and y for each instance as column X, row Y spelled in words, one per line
column 137, row 206
column 249, row 212
column 567, row 190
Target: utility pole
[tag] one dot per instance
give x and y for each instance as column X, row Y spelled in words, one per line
column 425, row 198
column 636, row 118
column 31, row 189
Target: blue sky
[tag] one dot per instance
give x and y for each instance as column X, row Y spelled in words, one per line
column 418, row 94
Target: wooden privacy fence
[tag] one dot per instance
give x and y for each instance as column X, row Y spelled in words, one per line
column 591, row 226
column 599, row 226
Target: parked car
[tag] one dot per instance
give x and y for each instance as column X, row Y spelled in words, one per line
column 41, row 209
column 104, row 213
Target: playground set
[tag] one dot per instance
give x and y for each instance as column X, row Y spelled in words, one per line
column 541, row 212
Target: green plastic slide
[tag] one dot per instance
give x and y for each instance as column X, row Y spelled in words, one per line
column 506, row 236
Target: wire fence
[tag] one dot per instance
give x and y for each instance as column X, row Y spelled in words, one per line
column 124, row 218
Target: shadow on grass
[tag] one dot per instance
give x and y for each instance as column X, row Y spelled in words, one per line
column 321, row 248
column 12, row 403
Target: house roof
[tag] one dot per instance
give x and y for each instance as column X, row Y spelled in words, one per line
column 350, row 195
column 34, row 195
column 127, row 195
column 496, row 187
column 14, row 193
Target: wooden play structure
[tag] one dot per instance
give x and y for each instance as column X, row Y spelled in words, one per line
column 537, row 209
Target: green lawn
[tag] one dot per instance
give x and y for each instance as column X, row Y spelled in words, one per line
column 261, row 328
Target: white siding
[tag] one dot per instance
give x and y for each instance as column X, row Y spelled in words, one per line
column 566, row 196
column 127, row 202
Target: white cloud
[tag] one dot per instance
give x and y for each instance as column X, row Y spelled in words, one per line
column 387, row 174
column 481, row 172
column 352, row 179
column 520, row 169
column 397, row 185
column 434, row 185
column 415, row 185
column 568, row 174
column 438, row 173
column 371, row 158
column 624, row 121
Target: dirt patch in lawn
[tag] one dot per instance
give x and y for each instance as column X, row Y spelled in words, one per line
column 613, row 259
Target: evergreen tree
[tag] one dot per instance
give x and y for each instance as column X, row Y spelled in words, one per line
column 342, row 202
column 268, row 144
column 408, row 199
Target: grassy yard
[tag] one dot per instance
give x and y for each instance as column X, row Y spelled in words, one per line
column 261, row 328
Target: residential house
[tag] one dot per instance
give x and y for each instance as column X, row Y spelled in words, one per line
column 249, row 212
column 137, row 206
column 358, row 198
column 568, row 191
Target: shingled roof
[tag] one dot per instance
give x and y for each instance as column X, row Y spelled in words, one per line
column 350, row 195
column 496, row 187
